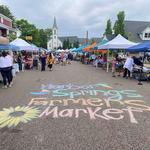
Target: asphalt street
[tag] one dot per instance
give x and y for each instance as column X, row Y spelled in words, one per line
column 74, row 107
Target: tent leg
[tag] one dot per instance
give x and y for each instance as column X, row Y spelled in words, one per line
column 140, row 83
column 107, row 61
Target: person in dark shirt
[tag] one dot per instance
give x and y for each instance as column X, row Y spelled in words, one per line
column 137, row 61
column 43, row 58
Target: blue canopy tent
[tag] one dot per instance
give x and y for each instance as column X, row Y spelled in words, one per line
column 9, row 47
column 73, row 49
column 142, row 47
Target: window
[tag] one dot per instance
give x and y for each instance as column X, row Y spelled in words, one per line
column 54, row 31
column 146, row 35
column 54, row 37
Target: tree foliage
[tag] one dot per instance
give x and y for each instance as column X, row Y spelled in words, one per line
column 76, row 44
column 108, row 30
column 66, row 44
column 39, row 36
column 119, row 24
column 5, row 11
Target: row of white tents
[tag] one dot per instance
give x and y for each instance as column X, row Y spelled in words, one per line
column 119, row 42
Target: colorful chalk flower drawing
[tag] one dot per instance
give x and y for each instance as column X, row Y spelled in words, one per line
column 11, row 117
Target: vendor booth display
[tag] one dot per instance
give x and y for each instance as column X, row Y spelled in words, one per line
column 141, row 72
column 119, row 42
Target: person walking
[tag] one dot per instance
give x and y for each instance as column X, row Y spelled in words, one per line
column 43, row 61
column 50, row 61
column 19, row 61
column 128, row 66
column 6, row 63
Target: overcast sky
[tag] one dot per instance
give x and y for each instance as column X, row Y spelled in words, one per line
column 75, row 17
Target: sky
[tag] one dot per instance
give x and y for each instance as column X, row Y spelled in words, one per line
column 75, row 17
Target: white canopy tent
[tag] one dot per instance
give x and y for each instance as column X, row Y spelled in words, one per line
column 23, row 45
column 60, row 50
column 119, row 42
column 34, row 47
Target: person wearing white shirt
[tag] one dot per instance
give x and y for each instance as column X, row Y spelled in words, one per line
column 6, row 63
column 128, row 66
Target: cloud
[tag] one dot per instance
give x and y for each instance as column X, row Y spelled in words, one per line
column 76, row 17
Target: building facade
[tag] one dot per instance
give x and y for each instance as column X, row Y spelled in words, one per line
column 137, row 31
column 5, row 26
column 54, row 43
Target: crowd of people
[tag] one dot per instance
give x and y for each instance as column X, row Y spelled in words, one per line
column 118, row 64
column 42, row 61
column 25, row 60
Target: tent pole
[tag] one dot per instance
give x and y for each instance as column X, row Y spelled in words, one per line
column 140, row 83
column 107, row 60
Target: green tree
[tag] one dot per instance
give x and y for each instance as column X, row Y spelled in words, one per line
column 48, row 33
column 119, row 24
column 108, row 30
column 76, row 44
column 65, row 44
column 5, row 11
column 68, row 43
column 28, row 29
column 12, row 36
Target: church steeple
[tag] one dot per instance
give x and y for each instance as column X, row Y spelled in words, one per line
column 55, row 24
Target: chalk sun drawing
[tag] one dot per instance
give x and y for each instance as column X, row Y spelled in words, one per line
column 11, row 117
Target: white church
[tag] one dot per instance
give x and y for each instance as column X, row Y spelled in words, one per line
column 54, row 42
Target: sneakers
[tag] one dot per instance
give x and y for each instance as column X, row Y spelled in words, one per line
column 9, row 85
column 4, row 87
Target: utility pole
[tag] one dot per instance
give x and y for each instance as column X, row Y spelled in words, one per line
column 87, row 39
